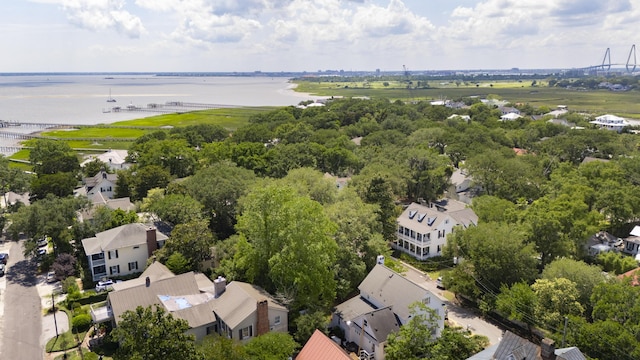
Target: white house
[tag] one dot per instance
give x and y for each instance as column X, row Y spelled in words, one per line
column 610, row 122
column 423, row 229
column 239, row 311
column 381, row 308
column 103, row 183
column 115, row 159
column 631, row 244
column 510, row 117
column 123, row 250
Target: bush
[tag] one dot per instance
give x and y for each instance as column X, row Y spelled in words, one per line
column 81, row 322
column 69, row 285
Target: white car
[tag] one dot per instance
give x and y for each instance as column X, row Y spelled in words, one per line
column 104, row 285
column 51, row 277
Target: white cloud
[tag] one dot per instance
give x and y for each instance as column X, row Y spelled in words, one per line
column 97, row 15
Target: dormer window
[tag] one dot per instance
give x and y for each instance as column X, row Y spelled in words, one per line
column 421, row 217
column 412, row 213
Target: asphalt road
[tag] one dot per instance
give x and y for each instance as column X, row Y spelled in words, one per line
column 464, row 317
column 22, row 321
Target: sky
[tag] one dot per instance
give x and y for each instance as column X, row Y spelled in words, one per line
column 312, row 35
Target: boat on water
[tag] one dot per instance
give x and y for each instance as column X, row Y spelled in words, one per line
column 110, row 99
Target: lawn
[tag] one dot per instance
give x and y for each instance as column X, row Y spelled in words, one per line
column 591, row 101
column 96, row 132
column 230, row 119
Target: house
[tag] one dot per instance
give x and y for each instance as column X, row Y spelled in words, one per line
column 610, row 122
column 382, row 306
column 11, row 198
column 513, row 347
column 460, row 180
column 603, row 242
column 102, row 182
column 98, row 200
column 320, row 347
column 239, row 310
column 505, row 110
column 634, row 276
column 466, row 118
column 115, row 159
column 510, row 117
column 123, row 250
column 631, row 244
column 423, row 228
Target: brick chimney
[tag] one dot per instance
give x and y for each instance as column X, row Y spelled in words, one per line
column 548, row 349
column 152, row 242
column 219, row 286
column 262, row 312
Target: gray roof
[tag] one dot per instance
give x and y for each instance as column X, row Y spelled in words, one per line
column 486, row 354
column 571, row 353
column 353, row 308
column 156, row 271
column 381, row 323
column 118, row 238
column 424, row 218
column 90, row 182
column 179, row 295
column 240, row 300
column 392, row 289
column 514, row 347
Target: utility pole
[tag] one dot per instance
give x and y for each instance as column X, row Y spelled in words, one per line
column 564, row 333
column 55, row 321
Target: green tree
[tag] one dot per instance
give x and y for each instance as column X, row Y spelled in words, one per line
column 617, row 301
column 177, row 263
column 153, row 334
column 193, row 240
column 616, row 263
column 307, row 323
column 218, row 188
column 60, row 184
column 146, row 178
column 557, row 298
column 414, row 338
column 292, row 251
column 93, row 167
column 456, row 344
column 379, row 192
column 11, row 179
column 220, row 347
column 586, row 277
column 51, row 157
column 271, row 346
column 174, row 208
column 518, row 303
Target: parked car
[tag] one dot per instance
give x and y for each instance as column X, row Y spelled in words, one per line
column 43, row 242
column 51, row 277
column 2, row 267
column 41, row 252
column 104, row 285
column 4, row 257
column 439, row 283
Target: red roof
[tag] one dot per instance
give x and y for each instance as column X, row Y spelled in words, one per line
column 634, row 274
column 320, row 347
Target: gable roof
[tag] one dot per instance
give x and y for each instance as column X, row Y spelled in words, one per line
column 571, row 353
column 179, row 295
column 111, row 157
column 119, row 237
column 156, row 271
column 514, row 347
column 320, row 347
column 392, row 289
column 90, row 182
column 381, row 323
column 239, row 300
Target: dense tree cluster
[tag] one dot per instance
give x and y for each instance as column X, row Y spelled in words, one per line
column 270, row 201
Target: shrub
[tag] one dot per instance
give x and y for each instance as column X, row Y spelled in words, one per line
column 81, row 322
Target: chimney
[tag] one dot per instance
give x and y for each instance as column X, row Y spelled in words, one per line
column 152, row 242
column 548, row 349
column 219, row 286
column 262, row 312
column 147, row 281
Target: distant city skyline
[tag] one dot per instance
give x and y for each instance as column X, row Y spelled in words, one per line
column 311, row 35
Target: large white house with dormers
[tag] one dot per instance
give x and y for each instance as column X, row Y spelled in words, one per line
column 423, row 228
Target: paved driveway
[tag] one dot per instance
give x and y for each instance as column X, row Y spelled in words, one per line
column 464, row 317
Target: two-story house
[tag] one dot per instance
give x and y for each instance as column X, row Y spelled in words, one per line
column 381, row 308
column 238, row 310
column 114, row 159
column 422, row 229
column 122, row 250
column 102, row 182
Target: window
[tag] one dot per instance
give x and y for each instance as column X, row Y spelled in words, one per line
column 425, row 251
column 426, row 300
column 406, row 231
column 133, row 265
column 114, row 270
column 97, row 256
column 439, row 248
column 100, row 270
column 115, row 254
column 277, row 321
column 428, row 236
column 413, row 234
column 419, row 237
column 400, row 230
column 246, row 332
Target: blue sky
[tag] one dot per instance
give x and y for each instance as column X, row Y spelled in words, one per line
column 311, row 35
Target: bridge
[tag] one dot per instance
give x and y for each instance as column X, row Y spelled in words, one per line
column 630, row 65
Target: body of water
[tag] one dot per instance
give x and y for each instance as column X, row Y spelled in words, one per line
column 82, row 99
